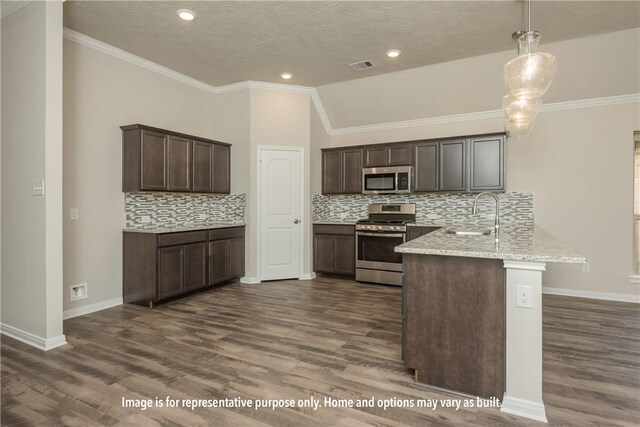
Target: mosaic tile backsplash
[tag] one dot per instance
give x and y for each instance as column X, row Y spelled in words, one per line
column 516, row 209
column 174, row 209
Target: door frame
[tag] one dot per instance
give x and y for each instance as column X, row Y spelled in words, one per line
column 258, row 212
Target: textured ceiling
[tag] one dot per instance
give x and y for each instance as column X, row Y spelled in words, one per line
column 233, row 41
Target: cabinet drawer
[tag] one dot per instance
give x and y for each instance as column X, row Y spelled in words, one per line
column 226, row 233
column 334, row 229
column 181, row 238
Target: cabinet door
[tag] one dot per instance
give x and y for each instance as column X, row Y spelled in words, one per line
column 352, row 171
column 178, row 164
column 375, row 156
column 453, row 176
column 154, row 161
column 221, row 169
column 195, row 266
column 399, row 155
column 236, row 258
column 324, row 253
column 332, row 172
column 218, row 256
column 426, row 165
column 202, row 167
column 345, row 259
column 486, row 164
column 413, row 232
column 170, row 271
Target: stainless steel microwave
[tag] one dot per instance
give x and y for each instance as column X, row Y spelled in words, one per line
column 389, row 180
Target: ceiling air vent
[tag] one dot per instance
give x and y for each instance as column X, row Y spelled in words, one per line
column 362, row 65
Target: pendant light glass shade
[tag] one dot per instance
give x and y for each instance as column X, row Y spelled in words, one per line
column 530, row 74
column 520, row 111
column 514, row 131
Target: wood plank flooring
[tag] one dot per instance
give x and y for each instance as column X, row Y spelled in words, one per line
column 294, row 340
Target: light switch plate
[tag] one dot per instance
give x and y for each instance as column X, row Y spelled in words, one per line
column 74, row 214
column 38, row 187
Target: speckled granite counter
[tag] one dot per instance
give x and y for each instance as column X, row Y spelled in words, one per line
column 336, row 222
column 160, row 230
column 518, row 245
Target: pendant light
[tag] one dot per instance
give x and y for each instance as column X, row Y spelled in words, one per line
column 527, row 77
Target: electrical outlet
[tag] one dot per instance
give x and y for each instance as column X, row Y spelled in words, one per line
column 74, row 214
column 202, row 217
column 586, row 267
column 38, row 187
column 343, row 215
column 523, row 296
column 145, row 219
column 78, row 292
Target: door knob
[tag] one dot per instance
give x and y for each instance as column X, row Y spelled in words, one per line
column 295, row 221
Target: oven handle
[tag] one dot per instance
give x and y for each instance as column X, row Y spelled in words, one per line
column 379, row 234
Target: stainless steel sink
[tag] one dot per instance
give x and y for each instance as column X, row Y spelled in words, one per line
column 467, row 232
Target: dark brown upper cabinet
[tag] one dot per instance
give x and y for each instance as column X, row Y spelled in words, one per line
column 221, row 168
column 473, row 163
column 342, row 171
column 202, row 166
column 387, row 155
column 453, row 169
column 178, row 164
column 486, row 163
column 161, row 160
column 426, row 170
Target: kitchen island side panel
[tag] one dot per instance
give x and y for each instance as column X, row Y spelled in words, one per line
column 454, row 328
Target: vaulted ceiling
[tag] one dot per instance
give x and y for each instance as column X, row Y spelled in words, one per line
column 233, row 41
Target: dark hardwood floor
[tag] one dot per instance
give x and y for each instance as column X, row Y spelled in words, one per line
column 294, row 340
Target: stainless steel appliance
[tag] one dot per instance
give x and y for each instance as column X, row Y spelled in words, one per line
column 389, row 180
column 376, row 238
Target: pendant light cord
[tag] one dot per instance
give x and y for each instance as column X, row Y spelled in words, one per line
column 529, row 16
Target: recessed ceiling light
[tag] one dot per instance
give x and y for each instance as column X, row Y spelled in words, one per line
column 186, row 14
column 393, row 53
column 286, row 76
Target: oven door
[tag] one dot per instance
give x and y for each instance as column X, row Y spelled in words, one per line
column 379, row 182
column 375, row 251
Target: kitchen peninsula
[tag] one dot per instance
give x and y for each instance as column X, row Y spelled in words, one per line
column 472, row 312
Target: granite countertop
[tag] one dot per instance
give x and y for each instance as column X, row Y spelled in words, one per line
column 530, row 244
column 169, row 229
column 335, row 222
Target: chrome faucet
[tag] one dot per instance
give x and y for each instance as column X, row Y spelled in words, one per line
column 474, row 211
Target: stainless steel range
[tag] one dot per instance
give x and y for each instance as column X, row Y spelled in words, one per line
column 376, row 238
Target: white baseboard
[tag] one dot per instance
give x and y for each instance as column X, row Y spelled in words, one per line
column 40, row 343
column 249, row 280
column 91, row 308
column 593, row 295
column 308, row 276
column 524, row 408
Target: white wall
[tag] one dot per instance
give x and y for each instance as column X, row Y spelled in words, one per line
column 32, row 150
column 278, row 118
column 589, row 67
column 578, row 162
column 101, row 93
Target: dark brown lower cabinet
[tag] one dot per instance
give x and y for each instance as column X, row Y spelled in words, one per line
column 453, row 331
column 226, row 254
column 160, row 266
column 334, row 249
column 415, row 231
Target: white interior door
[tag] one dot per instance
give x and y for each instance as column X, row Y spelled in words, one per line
column 280, row 210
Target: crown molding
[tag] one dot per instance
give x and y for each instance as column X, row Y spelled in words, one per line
column 133, row 59
column 418, row 122
column 10, row 7
column 317, row 101
column 491, row 114
column 167, row 72
column 592, row 102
